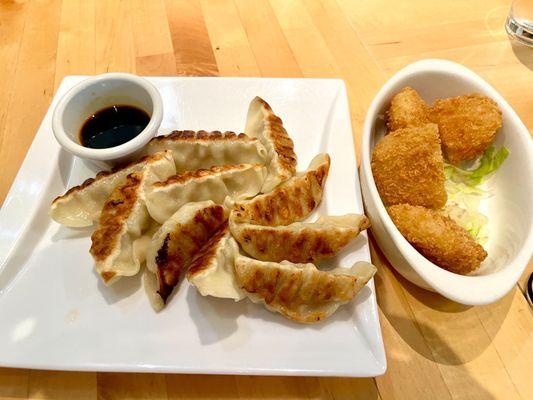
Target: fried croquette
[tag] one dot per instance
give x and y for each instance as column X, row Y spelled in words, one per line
column 408, row 167
column 438, row 238
column 407, row 109
column 467, row 125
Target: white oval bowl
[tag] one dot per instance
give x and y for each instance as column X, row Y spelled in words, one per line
column 100, row 92
column 509, row 209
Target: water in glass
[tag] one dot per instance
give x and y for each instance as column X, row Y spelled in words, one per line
column 520, row 21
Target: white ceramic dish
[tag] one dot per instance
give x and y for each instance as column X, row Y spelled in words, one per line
column 509, row 209
column 96, row 93
column 56, row 314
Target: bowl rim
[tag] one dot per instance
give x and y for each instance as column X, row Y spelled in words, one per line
column 116, row 152
column 469, row 290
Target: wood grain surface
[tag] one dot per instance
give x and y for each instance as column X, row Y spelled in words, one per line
column 436, row 349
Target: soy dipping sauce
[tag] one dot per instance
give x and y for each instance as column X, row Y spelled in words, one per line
column 113, row 126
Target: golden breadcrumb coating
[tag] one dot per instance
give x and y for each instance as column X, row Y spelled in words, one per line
column 438, row 238
column 407, row 109
column 408, row 167
column 467, row 125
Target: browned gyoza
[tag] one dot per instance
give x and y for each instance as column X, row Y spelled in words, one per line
column 212, row 269
column 300, row 292
column 121, row 206
column 299, row 242
column 123, row 220
column 291, row 201
column 262, row 123
column 81, row 205
column 176, row 242
column 201, row 150
column 216, row 183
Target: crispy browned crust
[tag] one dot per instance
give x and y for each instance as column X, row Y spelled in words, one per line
column 365, row 224
column 287, row 203
column 202, row 259
column 180, row 245
column 305, row 246
column 286, row 290
column 408, row 167
column 108, row 275
column 103, row 174
column 438, row 238
column 407, row 110
column 467, row 125
column 283, row 144
column 116, row 210
column 200, row 173
column 194, row 136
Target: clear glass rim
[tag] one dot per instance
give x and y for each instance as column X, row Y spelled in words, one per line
column 518, row 31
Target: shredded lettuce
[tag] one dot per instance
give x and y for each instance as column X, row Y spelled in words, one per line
column 489, row 162
column 473, row 221
column 465, row 193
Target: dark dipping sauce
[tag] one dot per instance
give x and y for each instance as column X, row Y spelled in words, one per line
column 113, row 126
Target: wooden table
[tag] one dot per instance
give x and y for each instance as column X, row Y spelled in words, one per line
column 436, row 349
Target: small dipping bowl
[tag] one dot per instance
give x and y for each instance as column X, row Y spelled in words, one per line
column 95, row 94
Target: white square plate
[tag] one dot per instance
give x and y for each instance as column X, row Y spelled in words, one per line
column 56, row 314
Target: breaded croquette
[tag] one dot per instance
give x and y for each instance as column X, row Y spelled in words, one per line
column 408, row 167
column 438, row 238
column 467, row 125
column 407, row 109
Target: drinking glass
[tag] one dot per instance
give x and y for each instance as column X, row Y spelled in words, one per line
column 520, row 21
